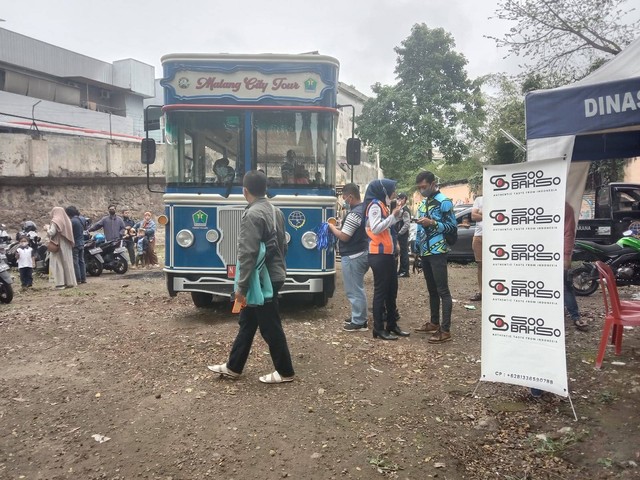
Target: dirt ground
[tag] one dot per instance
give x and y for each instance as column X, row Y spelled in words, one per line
column 118, row 358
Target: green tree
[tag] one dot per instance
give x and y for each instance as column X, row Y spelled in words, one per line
column 433, row 105
column 562, row 38
column 505, row 112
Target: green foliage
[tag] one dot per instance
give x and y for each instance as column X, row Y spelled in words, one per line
column 432, row 108
column 562, row 38
column 605, row 172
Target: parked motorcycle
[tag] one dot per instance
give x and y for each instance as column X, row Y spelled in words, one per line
column 623, row 257
column 6, row 290
column 100, row 255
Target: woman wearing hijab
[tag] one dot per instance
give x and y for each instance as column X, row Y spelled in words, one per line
column 61, row 262
column 382, row 249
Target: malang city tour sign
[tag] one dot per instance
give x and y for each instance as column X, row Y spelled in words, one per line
column 246, row 85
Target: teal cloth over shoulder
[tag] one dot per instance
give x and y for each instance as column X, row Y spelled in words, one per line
column 260, row 288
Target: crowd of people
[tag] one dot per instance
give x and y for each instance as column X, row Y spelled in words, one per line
column 375, row 233
column 67, row 233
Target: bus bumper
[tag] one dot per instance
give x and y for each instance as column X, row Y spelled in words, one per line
column 222, row 286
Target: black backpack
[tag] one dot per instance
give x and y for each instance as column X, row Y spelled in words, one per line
column 450, row 237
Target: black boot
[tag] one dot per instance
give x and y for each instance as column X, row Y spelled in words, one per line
column 396, row 330
column 383, row 335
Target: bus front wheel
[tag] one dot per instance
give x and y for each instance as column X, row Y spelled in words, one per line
column 201, row 299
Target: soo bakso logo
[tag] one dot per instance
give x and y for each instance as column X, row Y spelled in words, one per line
column 499, row 217
column 499, row 287
column 522, row 288
column 522, row 180
column 519, row 252
column 532, row 289
column 524, row 216
column 523, row 324
column 499, row 182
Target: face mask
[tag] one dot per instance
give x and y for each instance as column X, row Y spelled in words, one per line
column 112, row 212
column 425, row 192
column 345, row 204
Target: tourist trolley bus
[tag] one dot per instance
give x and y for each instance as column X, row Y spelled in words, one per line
column 224, row 115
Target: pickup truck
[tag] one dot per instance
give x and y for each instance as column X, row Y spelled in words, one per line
column 617, row 209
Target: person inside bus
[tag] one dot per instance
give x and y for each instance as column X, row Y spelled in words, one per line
column 382, row 249
column 287, row 168
column 224, row 172
column 301, row 175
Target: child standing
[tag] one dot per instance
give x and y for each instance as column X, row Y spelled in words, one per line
column 142, row 247
column 26, row 262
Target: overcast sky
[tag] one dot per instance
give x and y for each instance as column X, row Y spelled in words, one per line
column 361, row 34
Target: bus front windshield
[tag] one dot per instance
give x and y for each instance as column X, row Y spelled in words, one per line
column 204, row 148
column 295, row 149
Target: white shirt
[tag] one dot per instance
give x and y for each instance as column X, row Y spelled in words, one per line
column 477, row 205
column 25, row 260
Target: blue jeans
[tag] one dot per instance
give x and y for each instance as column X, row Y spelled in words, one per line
column 353, row 270
column 570, row 302
column 78, row 264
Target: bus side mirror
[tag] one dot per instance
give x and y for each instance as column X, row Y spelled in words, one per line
column 148, row 151
column 353, row 151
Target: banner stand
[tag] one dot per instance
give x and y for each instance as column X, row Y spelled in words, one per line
column 575, row 415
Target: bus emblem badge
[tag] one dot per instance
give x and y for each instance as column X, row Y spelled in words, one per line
column 310, row 85
column 200, row 219
column 183, row 82
column 296, row 219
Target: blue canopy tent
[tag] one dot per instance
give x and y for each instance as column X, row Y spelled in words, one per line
column 595, row 118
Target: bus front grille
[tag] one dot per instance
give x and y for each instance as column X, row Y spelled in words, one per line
column 229, row 225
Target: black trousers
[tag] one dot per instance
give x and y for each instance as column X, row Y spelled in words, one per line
column 267, row 318
column 403, row 241
column 385, row 291
column 436, row 275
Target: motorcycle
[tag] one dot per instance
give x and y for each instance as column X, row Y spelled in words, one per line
column 623, row 257
column 6, row 290
column 100, row 255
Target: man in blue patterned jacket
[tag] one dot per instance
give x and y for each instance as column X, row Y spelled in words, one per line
column 435, row 218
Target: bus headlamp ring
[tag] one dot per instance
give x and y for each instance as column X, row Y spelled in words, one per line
column 309, row 240
column 185, row 238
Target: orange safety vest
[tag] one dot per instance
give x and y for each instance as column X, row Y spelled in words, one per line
column 381, row 243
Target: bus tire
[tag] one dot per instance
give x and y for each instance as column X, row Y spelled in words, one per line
column 320, row 299
column 201, row 299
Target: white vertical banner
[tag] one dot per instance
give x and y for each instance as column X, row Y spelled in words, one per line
column 523, row 339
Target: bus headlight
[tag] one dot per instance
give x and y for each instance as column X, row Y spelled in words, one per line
column 309, row 240
column 287, row 237
column 163, row 220
column 212, row 236
column 184, row 238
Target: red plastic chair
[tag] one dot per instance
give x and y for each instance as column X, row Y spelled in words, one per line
column 617, row 314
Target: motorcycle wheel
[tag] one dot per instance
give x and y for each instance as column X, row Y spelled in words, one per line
column 94, row 267
column 583, row 282
column 6, row 293
column 121, row 266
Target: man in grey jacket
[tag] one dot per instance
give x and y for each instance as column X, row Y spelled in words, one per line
column 261, row 222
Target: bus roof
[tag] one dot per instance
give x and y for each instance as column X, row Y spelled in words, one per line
column 260, row 57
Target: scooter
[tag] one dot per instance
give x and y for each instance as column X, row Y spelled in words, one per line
column 623, row 257
column 105, row 256
column 6, row 290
